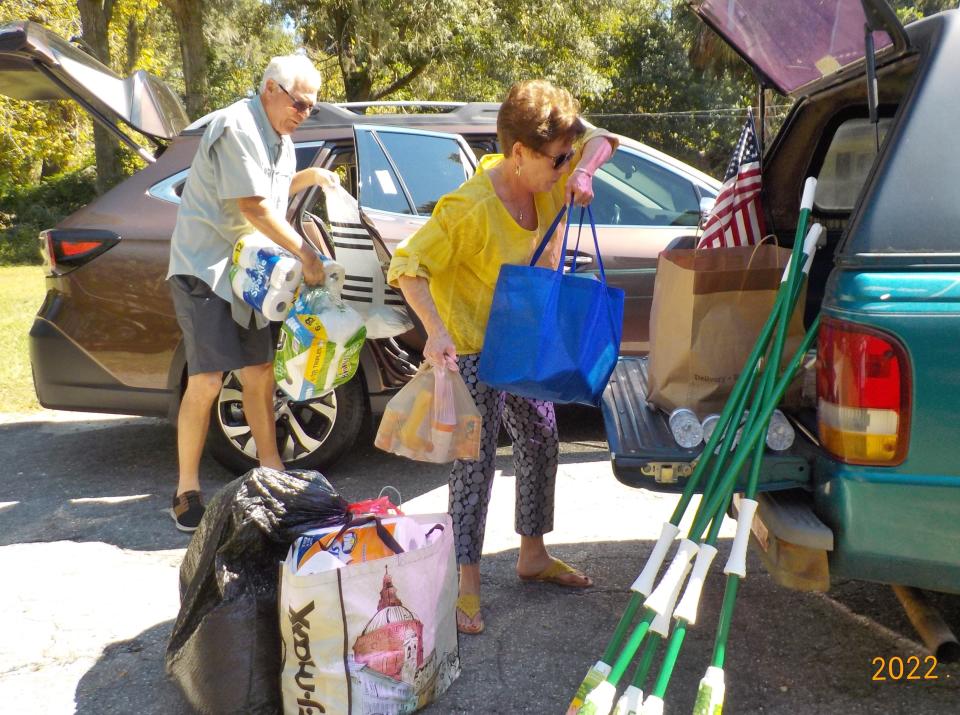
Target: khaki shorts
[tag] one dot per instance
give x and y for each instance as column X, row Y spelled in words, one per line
column 214, row 341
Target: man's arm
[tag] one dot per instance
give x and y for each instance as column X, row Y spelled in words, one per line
column 313, row 176
column 271, row 224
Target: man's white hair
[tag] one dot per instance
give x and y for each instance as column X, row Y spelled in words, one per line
column 288, row 70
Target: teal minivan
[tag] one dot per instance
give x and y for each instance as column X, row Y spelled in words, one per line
column 870, row 489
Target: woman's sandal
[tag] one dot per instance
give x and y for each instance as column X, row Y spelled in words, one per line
column 560, row 573
column 468, row 606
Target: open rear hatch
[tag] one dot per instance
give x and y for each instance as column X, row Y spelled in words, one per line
column 36, row 65
column 800, row 46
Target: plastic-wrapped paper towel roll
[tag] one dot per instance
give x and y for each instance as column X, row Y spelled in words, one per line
column 268, row 262
column 320, row 343
column 273, row 302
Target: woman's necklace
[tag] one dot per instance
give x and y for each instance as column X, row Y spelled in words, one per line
column 512, row 204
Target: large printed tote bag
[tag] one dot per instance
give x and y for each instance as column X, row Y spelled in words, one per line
column 373, row 637
column 553, row 335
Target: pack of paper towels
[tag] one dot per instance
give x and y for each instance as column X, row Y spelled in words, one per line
column 265, row 276
column 320, row 341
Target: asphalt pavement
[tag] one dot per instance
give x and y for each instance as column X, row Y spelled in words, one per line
column 89, row 561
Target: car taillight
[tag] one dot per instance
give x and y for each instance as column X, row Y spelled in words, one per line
column 66, row 249
column 863, row 394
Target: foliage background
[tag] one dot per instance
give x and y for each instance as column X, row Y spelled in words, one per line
column 628, row 61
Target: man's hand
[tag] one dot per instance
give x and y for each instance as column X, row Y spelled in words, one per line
column 324, row 178
column 313, row 273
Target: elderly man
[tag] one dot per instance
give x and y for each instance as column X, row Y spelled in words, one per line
column 240, row 180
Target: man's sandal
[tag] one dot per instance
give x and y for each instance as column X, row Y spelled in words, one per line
column 468, row 614
column 561, row 574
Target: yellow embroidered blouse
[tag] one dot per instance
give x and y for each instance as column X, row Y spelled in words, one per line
column 468, row 237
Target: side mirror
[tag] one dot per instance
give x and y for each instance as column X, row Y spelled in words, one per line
column 706, row 206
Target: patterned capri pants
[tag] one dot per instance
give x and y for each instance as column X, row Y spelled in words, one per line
column 532, row 427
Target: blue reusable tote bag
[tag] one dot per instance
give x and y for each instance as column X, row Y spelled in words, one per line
column 553, row 335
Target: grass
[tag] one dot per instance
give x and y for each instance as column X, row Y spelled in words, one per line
column 21, row 293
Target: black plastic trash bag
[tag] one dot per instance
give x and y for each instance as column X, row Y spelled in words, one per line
column 224, row 651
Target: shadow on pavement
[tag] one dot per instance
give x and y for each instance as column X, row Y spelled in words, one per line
column 129, row 678
column 788, row 653
column 93, row 480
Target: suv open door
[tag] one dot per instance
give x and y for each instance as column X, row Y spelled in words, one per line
column 402, row 173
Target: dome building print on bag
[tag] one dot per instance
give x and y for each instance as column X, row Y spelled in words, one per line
column 390, row 674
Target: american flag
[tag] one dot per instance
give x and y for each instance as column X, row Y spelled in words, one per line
column 737, row 217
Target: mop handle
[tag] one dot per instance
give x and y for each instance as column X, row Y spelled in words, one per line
column 644, row 582
column 687, row 609
column 750, row 438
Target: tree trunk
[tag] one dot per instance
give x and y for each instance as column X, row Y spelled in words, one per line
column 95, row 16
column 134, row 44
column 189, row 17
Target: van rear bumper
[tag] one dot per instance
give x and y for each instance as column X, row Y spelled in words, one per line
column 892, row 528
column 67, row 378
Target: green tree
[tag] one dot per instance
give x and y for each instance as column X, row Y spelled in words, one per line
column 39, row 139
column 381, row 46
column 678, row 108
column 565, row 41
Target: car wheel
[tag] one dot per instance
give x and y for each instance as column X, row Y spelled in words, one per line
column 310, row 435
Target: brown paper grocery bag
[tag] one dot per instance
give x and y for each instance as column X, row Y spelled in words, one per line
column 708, row 308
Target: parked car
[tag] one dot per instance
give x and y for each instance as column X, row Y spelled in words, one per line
column 105, row 338
column 871, row 488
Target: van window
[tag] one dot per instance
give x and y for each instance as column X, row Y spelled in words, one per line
column 847, row 163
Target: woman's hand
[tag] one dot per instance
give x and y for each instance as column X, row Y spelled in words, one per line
column 439, row 350
column 580, row 186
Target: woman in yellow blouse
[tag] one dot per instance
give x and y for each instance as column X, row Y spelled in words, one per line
column 448, row 270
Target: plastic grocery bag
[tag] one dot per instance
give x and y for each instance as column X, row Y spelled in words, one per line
column 365, row 289
column 377, row 636
column 264, row 275
column 224, row 651
column 432, row 419
column 320, row 343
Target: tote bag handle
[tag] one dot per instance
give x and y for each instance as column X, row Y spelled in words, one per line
column 553, row 227
column 385, row 536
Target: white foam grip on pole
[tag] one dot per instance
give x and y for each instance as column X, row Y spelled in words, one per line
column 600, row 700
column 644, row 582
column 687, row 610
column 737, row 562
column 810, row 244
column 661, row 623
column 652, row 706
column 809, row 189
column 658, row 600
column 630, row 702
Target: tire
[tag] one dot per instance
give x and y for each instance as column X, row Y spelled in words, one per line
column 310, row 435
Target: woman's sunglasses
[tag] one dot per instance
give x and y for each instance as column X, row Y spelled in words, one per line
column 298, row 104
column 560, row 159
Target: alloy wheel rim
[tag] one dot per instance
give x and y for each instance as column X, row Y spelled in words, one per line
column 302, row 427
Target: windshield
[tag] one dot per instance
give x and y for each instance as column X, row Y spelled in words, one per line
column 793, row 42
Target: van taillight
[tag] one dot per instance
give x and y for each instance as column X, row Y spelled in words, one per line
column 863, row 391
column 66, row 249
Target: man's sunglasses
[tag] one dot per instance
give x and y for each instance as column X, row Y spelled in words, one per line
column 560, row 159
column 298, row 104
